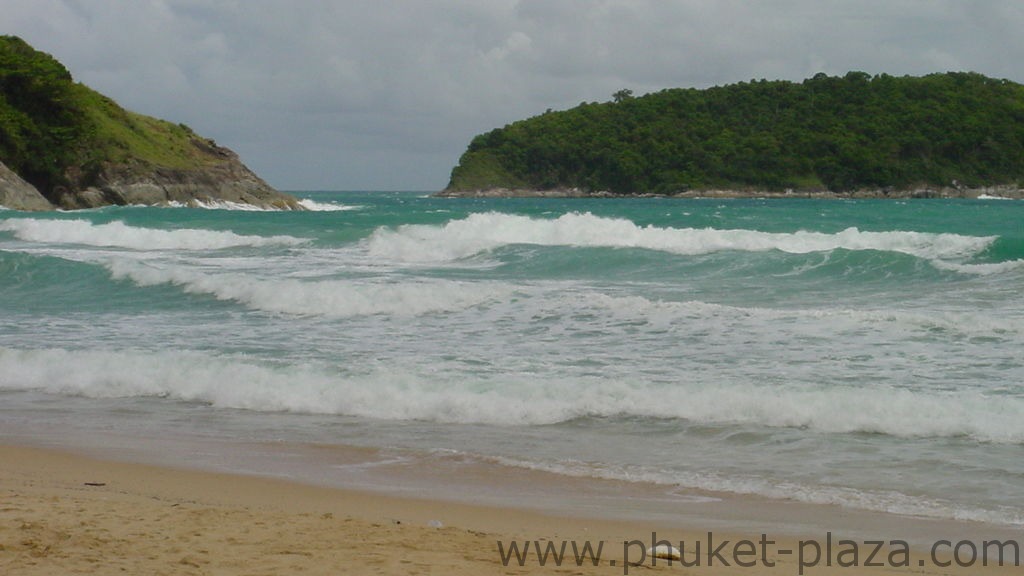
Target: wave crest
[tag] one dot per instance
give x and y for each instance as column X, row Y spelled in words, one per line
column 331, row 298
column 404, row 393
column 482, row 232
column 316, row 206
column 120, row 235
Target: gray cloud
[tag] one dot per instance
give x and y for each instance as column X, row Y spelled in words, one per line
column 385, row 94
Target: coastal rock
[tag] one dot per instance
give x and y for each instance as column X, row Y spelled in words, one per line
column 17, row 194
column 225, row 179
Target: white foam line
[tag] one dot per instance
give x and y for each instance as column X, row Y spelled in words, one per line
column 331, row 298
column 315, row 206
column 119, row 234
column 482, row 232
column 887, row 501
column 222, row 205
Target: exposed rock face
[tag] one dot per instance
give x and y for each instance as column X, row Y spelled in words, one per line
column 17, row 194
column 225, row 180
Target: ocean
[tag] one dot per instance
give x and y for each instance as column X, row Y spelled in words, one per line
column 860, row 354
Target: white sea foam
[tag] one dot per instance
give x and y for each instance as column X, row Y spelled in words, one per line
column 119, row 234
column 220, row 205
column 991, row 197
column 307, row 203
column 983, row 269
column 332, row 298
column 888, row 501
column 486, row 231
column 315, row 206
column 404, row 394
column 411, row 393
column 973, row 323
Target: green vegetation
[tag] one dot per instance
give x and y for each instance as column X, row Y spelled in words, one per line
column 836, row 133
column 39, row 118
column 58, row 134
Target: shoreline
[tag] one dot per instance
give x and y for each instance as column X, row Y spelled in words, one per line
column 995, row 192
column 465, row 478
column 64, row 509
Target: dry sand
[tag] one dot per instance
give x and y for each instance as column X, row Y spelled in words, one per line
column 62, row 513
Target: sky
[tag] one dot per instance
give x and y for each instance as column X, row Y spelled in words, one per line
column 387, row 94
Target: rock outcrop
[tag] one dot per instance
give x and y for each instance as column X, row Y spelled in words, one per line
column 17, row 194
column 224, row 179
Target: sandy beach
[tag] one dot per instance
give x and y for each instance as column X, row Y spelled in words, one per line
column 63, row 513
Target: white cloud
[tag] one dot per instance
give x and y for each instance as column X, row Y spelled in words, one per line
column 387, row 93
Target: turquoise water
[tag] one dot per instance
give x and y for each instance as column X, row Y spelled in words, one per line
column 859, row 353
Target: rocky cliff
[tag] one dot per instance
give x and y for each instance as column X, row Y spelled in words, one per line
column 223, row 180
column 17, row 194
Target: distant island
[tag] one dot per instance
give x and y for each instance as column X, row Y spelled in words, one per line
column 940, row 135
column 65, row 145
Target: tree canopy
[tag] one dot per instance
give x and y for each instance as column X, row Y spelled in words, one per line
column 39, row 118
column 837, row 133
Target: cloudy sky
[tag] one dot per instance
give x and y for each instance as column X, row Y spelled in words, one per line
column 386, row 94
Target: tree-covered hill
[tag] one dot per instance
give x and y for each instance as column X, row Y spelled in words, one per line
column 834, row 133
column 80, row 148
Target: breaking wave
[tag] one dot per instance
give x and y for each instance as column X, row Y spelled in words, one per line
column 220, row 205
column 482, row 232
column 315, row 206
column 120, row 235
column 332, row 298
column 307, row 203
column 406, row 393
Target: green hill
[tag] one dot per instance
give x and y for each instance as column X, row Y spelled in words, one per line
column 826, row 133
column 79, row 148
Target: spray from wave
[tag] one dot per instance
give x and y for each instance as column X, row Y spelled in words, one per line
column 316, row 206
column 218, row 205
column 307, row 203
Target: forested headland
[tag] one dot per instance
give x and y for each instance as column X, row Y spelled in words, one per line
column 827, row 133
column 78, row 148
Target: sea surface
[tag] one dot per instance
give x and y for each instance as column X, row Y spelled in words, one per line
column 865, row 354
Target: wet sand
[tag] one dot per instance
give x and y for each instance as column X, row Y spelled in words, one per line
column 64, row 513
